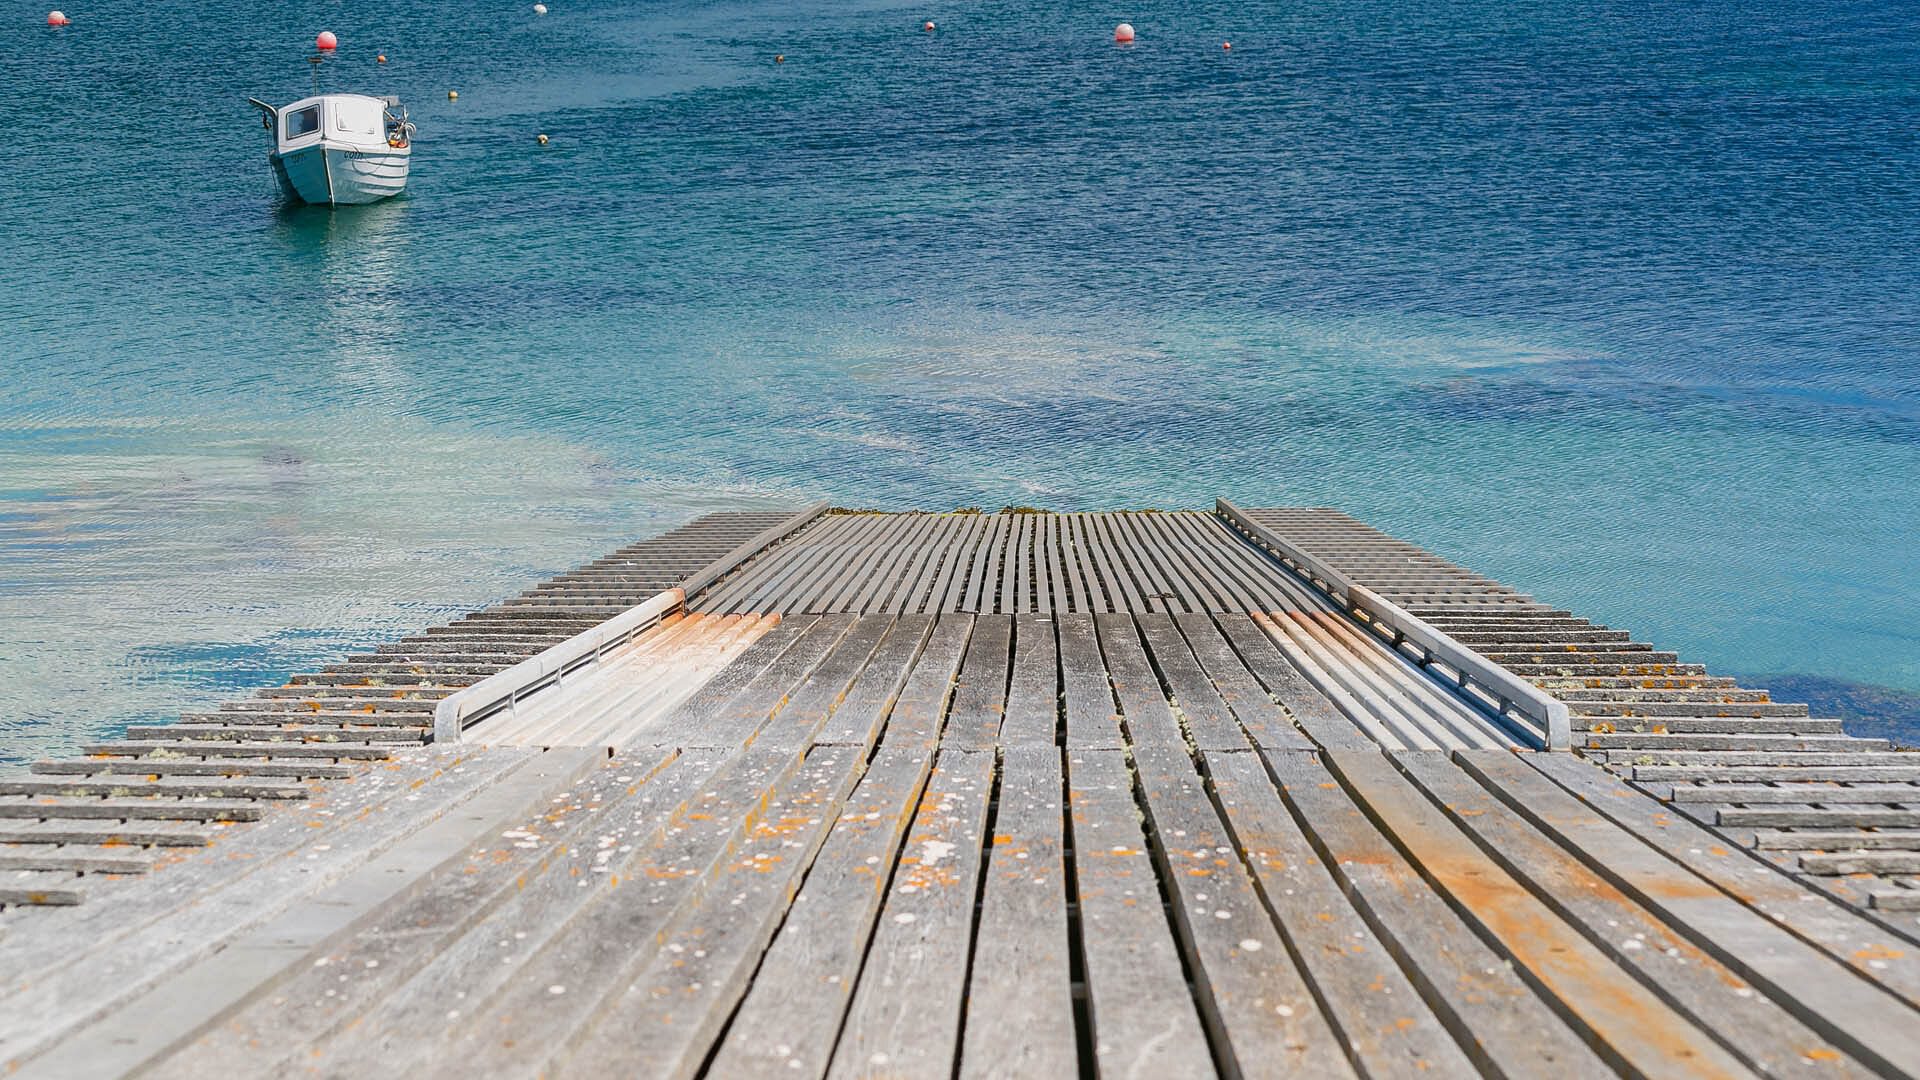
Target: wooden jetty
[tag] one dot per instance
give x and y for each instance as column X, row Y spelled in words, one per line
column 1155, row 794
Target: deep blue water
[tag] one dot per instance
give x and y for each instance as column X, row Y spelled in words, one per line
column 1619, row 303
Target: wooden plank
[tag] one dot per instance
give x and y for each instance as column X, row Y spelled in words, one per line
column 678, row 678
column 981, row 577
column 951, row 594
column 674, row 1010
column 106, row 833
column 691, row 714
column 298, row 769
column 189, row 909
column 1435, row 705
column 1490, row 1012
column 1093, row 721
column 44, row 888
column 130, row 810
column 1020, row 590
column 170, row 750
column 819, row 585
column 1136, row 577
column 1046, row 580
column 560, row 715
column 1212, row 589
column 846, row 583
column 1825, row 840
column 842, row 580
column 1242, row 582
column 1204, row 713
column 1019, row 1011
column 1143, row 702
column 904, row 1020
column 446, row 931
column 1333, row 672
column 921, row 707
column 22, row 858
column 1254, row 1000
column 1033, row 694
column 735, row 724
column 924, row 577
column 791, row 1016
column 918, row 575
column 1310, row 709
column 1259, row 716
column 1159, row 576
column 749, row 588
column 980, row 698
column 1865, row 817
column 516, row 1025
column 1077, row 597
column 812, row 702
column 1063, row 576
column 991, row 581
column 1801, row 794
column 127, row 942
column 1127, row 593
column 1113, row 589
column 803, row 585
column 857, row 720
column 1085, row 560
column 1184, row 591
column 1866, row 1020
column 1760, row 1033
column 905, row 545
column 133, row 788
column 1388, row 1028
column 1143, row 1015
column 1620, row 1016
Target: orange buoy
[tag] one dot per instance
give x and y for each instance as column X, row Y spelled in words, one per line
column 326, row 41
column 1123, row 33
column 381, row 59
column 1227, row 45
column 929, row 26
column 57, row 18
column 453, row 95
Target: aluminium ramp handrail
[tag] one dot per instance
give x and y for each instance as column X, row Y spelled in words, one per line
column 504, row 689
column 1512, row 693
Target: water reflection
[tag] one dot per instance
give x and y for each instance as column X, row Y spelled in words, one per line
column 350, row 261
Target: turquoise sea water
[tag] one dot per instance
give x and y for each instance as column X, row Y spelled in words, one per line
column 1619, row 303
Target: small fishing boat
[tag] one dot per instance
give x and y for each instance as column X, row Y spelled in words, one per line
column 339, row 149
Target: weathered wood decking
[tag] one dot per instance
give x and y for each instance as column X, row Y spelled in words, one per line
column 995, row 795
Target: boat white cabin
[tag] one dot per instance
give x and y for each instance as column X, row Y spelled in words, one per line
column 340, row 149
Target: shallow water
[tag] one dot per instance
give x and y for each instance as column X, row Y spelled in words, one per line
column 1618, row 304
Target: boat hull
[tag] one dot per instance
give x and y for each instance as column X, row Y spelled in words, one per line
column 333, row 175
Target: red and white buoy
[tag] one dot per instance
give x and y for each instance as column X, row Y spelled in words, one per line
column 1123, row 33
column 57, row 18
column 929, row 26
column 326, row 41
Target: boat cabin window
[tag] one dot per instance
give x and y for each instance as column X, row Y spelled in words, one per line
column 356, row 116
column 303, row 122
